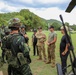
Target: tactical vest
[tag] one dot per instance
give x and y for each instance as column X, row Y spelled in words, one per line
column 14, row 59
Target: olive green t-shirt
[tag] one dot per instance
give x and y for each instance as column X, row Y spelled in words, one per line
column 51, row 36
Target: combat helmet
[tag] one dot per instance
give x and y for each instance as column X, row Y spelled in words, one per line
column 34, row 30
column 7, row 30
column 14, row 23
column 22, row 26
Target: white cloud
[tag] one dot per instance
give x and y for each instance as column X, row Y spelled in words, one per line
column 52, row 1
column 53, row 13
column 26, row 1
column 47, row 13
column 6, row 7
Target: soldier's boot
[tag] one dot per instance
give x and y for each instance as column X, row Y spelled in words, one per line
column 53, row 65
column 44, row 60
column 48, row 62
column 39, row 59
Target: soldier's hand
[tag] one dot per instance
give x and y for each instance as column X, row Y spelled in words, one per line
column 63, row 53
column 43, row 36
column 26, row 35
column 48, row 43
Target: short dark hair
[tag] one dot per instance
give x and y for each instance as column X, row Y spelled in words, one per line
column 51, row 27
column 34, row 30
column 39, row 27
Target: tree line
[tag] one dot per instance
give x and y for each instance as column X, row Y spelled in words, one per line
column 30, row 20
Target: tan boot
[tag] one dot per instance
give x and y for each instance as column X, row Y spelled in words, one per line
column 52, row 65
column 48, row 62
column 39, row 59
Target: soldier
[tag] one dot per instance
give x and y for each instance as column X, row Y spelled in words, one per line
column 18, row 51
column 41, row 38
column 64, row 44
column 2, row 34
column 23, row 32
column 34, row 41
column 3, row 47
column 51, row 46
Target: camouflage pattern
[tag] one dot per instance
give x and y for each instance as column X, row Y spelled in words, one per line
column 14, row 22
column 51, row 54
column 41, row 38
column 16, row 60
column 3, row 47
column 51, row 48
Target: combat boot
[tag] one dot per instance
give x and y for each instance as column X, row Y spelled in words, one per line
column 48, row 62
column 39, row 59
column 53, row 65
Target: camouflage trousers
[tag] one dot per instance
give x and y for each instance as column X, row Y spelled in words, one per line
column 51, row 54
column 22, row 70
column 41, row 50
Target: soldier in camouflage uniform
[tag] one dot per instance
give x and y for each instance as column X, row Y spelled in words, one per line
column 18, row 52
column 23, row 32
column 3, row 47
column 51, row 46
column 2, row 34
column 41, row 38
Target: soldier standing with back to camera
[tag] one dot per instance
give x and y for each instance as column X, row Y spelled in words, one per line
column 51, row 46
column 34, row 42
column 18, row 51
column 41, row 38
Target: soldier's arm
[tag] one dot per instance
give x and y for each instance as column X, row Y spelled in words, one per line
column 66, row 49
column 38, row 36
column 44, row 36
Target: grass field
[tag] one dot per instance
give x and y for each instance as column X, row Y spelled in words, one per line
column 39, row 67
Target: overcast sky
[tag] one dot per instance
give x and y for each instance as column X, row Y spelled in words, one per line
column 48, row 9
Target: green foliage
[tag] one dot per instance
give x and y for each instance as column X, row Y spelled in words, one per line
column 73, row 27
column 55, row 23
column 30, row 20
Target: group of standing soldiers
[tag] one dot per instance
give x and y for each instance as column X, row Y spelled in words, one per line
column 40, row 45
column 15, row 47
column 51, row 41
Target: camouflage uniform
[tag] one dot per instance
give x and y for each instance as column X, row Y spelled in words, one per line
column 3, row 47
column 23, row 32
column 0, row 36
column 41, row 44
column 18, row 52
column 51, row 48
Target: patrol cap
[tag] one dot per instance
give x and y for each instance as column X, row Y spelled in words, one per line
column 51, row 27
column 39, row 27
column 34, row 30
column 22, row 26
column 62, row 28
column 14, row 23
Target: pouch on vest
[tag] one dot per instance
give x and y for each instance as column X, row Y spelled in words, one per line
column 21, row 59
column 13, row 61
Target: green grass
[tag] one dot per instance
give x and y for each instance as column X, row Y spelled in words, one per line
column 39, row 67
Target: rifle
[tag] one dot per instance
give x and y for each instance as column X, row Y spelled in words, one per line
column 70, row 48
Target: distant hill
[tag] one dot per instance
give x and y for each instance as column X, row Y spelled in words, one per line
column 51, row 21
column 29, row 19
